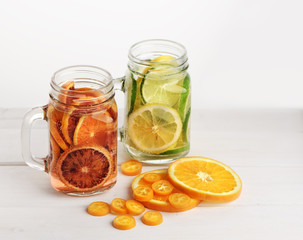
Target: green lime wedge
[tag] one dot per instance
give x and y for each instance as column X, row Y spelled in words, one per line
column 177, row 150
column 131, row 90
column 184, row 103
column 185, row 127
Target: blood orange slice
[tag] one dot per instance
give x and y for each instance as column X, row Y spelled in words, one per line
column 55, row 125
column 95, row 129
column 161, row 203
column 85, row 168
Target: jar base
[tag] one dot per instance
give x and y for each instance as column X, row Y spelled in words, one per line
column 153, row 159
column 87, row 194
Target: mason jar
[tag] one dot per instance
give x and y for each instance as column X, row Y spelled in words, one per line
column 158, row 102
column 82, row 122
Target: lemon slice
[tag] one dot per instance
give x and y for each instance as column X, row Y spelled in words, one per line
column 154, row 128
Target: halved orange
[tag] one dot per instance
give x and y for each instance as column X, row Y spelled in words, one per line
column 55, row 125
column 85, row 168
column 205, row 179
column 161, row 203
column 94, row 129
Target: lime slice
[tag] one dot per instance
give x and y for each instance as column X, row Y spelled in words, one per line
column 131, row 90
column 154, row 128
column 184, row 103
column 163, row 83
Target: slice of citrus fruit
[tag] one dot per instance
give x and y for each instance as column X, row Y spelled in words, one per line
column 131, row 167
column 179, row 200
column 143, row 193
column 134, row 207
column 205, row 179
column 124, row 222
column 94, row 129
column 85, row 168
column 118, row 206
column 55, row 125
column 162, row 187
column 98, row 209
column 154, row 128
column 160, row 203
column 70, row 120
column 152, row 177
column 152, row 218
column 163, row 82
column 64, row 96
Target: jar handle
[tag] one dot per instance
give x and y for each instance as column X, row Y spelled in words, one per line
column 30, row 117
column 119, row 84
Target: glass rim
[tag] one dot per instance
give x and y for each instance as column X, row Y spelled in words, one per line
column 82, row 68
column 183, row 55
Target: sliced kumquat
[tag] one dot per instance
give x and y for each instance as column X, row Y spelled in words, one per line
column 152, row 177
column 179, row 200
column 143, row 193
column 158, row 202
column 152, row 218
column 118, row 206
column 98, row 209
column 124, row 222
column 162, row 187
column 131, row 168
column 134, row 207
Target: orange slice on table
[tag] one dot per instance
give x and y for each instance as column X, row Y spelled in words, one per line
column 118, row 206
column 124, row 222
column 98, row 209
column 131, row 167
column 85, row 168
column 205, row 179
column 161, row 203
column 152, row 218
column 55, row 125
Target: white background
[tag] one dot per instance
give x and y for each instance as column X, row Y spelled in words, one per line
column 242, row 54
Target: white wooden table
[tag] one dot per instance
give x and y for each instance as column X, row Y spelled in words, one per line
column 265, row 147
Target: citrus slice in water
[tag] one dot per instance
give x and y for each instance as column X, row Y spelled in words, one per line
column 84, row 168
column 154, row 128
column 205, row 179
column 162, row 83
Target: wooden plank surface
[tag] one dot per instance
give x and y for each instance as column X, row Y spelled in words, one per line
column 263, row 146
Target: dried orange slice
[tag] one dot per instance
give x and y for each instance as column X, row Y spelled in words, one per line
column 162, row 187
column 118, row 206
column 131, row 167
column 143, row 193
column 64, row 96
column 205, row 179
column 55, row 125
column 70, row 120
column 94, row 129
column 98, row 209
column 152, row 218
column 55, row 149
column 160, row 203
column 152, row 177
column 124, row 222
column 85, row 168
column 134, row 207
column 179, row 200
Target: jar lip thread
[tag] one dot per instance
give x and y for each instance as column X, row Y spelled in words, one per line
column 161, row 42
column 100, row 78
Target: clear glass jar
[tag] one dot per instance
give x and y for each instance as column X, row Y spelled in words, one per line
column 158, row 102
column 82, row 120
